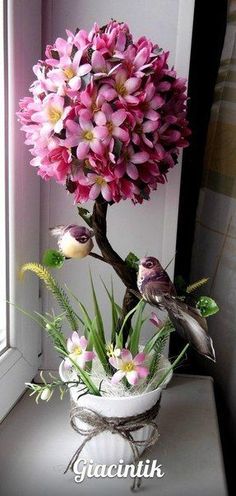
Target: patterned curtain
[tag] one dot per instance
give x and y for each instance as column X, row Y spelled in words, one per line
column 214, row 251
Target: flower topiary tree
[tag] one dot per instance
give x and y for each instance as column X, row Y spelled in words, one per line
column 106, row 119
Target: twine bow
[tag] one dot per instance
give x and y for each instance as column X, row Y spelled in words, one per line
column 123, row 426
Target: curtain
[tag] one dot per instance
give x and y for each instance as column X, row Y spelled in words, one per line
column 214, row 249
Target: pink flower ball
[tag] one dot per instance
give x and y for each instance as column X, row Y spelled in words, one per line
column 106, row 115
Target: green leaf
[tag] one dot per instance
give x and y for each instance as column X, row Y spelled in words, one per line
column 99, row 346
column 85, row 215
column 97, row 312
column 117, row 147
column 132, row 261
column 53, row 258
column 207, row 306
column 135, row 336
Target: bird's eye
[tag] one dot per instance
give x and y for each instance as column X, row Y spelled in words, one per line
column 149, row 265
column 83, row 239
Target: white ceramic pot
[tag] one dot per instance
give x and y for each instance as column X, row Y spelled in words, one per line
column 107, row 448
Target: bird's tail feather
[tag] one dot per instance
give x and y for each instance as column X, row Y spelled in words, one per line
column 190, row 324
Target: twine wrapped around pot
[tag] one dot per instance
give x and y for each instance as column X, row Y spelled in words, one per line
column 123, row 426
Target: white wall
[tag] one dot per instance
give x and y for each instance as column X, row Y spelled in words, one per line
column 146, row 229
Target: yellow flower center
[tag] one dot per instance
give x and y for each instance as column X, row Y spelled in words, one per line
column 54, row 114
column 100, row 181
column 94, row 108
column 110, row 127
column 88, row 135
column 120, row 88
column 69, row 73
column 78, row 350
column 128, row 367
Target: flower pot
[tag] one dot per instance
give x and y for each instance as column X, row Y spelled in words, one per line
column 107, row 448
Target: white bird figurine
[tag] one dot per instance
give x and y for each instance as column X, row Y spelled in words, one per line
column 73, row 241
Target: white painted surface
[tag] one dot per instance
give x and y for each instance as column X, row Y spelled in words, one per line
column 151, row 227
column 37, row 442
column 3, row 279
column 20, row 362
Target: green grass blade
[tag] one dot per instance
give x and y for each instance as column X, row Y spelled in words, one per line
column 97, row 312
column 173, row 365
column 99, row 345
column 135, row 336
column 153, row 341
column 114, row 311
column 127, row 317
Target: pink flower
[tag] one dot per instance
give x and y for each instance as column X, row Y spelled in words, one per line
column 128, row 367
column 52, row 113
column 70, row 71
column 57, row 163
column 132, row 160
column 86, row 136
column 150, row 102
column 99, row 184
column 123, row 87
column 156, row 321
column 76, row 347
column 113, row 120
column 101, row 67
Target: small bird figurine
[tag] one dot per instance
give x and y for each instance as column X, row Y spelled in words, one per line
column 73, row 241
column 157, row 289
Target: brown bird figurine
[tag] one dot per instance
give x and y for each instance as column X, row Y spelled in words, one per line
column 157, row 289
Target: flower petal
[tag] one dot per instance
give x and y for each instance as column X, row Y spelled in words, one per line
column 141, row 58
column 100, row 132
column 67, row 364
column 150, row 126
column 132, row 171
column 125, row 355
column 142, row 371
column 121, row 134
column 94, row 191
column 132, row 377
column 88, row 356
column 70, row 345
column 82, row 150
column 139, row 358
column 84, row 69
column 75, row 338
column 96, row 146
column 98, row 62
column 118, row 117
column 83, row 342
column 132, row 84
column 100, row 118
column 114, row 362
column 139, row 158
column 117, row 377
column 106, row 192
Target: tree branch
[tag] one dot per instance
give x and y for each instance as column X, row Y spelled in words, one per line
column 127, row 274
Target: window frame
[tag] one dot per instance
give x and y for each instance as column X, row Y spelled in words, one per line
column 20, row 360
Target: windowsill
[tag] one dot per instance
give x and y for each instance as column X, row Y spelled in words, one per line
column 37, row 443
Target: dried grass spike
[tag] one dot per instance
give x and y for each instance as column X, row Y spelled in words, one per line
column 193, row 287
